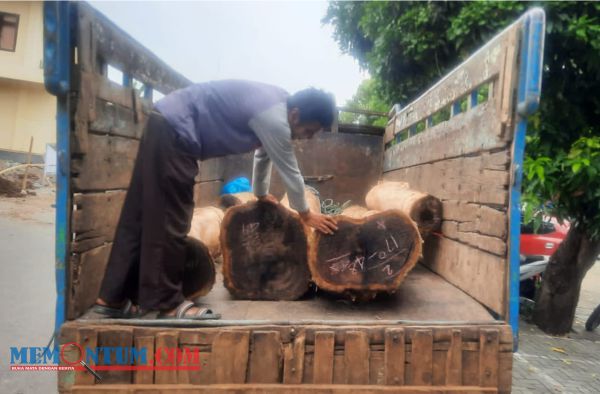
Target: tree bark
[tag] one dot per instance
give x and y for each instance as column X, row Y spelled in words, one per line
column 556, row 302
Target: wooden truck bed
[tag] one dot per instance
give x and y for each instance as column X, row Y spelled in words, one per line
column 423, row 297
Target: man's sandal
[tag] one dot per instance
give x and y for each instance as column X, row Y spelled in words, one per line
column 180, row 313
column 124, row 312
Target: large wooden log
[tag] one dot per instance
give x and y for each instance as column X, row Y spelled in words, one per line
column 357, row 212
column 367, row 255
column 264, row 249
column 423, row 208
column 199, row 270
column 206, row 227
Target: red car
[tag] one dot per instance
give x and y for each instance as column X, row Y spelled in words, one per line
column 550, row 234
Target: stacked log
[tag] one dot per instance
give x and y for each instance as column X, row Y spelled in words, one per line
column 423, row 208
column 357, row 212
column 312, row 198
column 371, row 252
column 206, row 221
column 199, row 269
column 206, row 227
column 264, row 252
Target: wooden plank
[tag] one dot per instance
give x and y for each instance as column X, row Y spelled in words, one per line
column 229, row 357
column 422, row 358
column 454, row 360
column 488, row 358
column 508, row 81
column 440, row 356
column 87, row 338
column 107, row 166
column 464, row 179
column 207, row 193
column 470, row 363
column 202, row 375
column 339, row 365
column 114, row 46
column 356, row 357
column 212, row 169
column 265, row 364
column 478, row 273
column 394, row 356
column 323, row 359
column 484, row 65
column 86, row 273
column 439, row 366
column 476, row 218
column 66, row 378
column 377, row 367
column 451, row 229
column 470, row 132
column 83, row 113
column 166, row 356
column 293, row 366
column 348, row 157
column 505, row 362
column 112, row 341
column 278, row 389
column 144, row 342
column 115, row 119
column 95, row 219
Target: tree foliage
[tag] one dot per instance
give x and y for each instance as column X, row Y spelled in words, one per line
column 366, row 98
column 407, row 46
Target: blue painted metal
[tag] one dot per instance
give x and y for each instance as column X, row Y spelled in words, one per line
column 127, row 80
column 530, row 82
column 148, row 92
column 57, row 64
column 455, row 108
column 473, row 98
column 57, row 47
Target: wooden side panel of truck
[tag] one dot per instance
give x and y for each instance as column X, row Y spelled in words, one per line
column 444, row 331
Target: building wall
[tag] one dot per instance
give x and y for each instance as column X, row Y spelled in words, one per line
column 26, row 109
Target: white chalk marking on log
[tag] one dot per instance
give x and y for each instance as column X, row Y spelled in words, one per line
column 337, row 258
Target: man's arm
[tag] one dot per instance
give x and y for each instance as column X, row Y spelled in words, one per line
column 272, row 129
column 261, row 173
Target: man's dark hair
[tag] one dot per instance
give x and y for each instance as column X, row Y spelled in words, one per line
column 315, row 105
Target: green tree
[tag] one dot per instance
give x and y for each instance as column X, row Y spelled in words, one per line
column 366, row 98
column 406, row 46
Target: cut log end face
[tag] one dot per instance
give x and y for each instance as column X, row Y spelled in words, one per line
column 264, row 253
column 427, row 213
column 372, row 254
column 199, row 269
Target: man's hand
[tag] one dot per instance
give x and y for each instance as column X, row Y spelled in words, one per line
column 325, row 224
column 269, row 198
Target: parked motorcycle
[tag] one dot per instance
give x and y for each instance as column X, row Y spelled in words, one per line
column 531, row 269
column 594, row 320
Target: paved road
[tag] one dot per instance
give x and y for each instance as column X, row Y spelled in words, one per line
column 28, row 291
column 569, row 364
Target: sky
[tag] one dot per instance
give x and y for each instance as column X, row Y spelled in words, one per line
column 281, row 43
